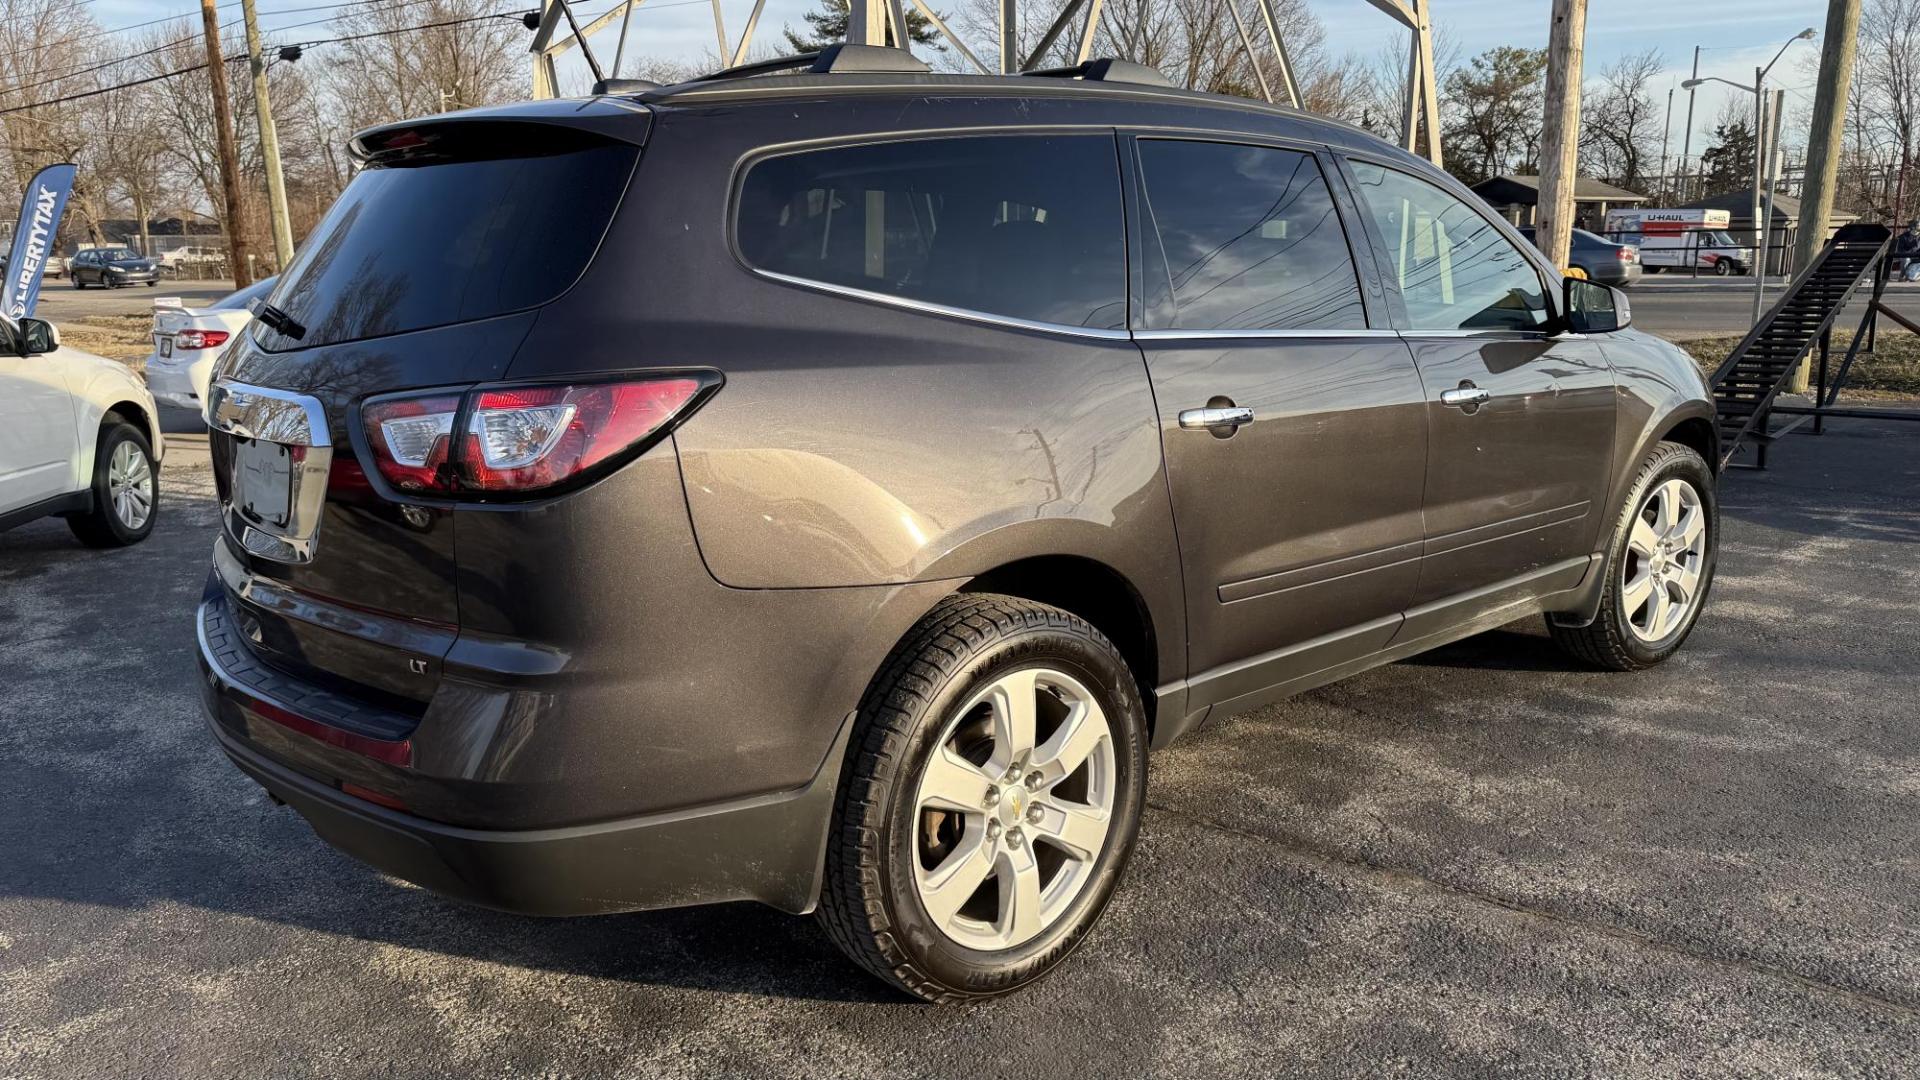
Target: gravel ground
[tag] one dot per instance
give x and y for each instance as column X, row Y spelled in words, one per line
column 1478, row 862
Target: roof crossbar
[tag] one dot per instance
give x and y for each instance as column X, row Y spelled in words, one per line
column 832, row 60
column 1105, row 70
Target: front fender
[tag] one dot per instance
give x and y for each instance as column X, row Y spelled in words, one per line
column 1659, row 389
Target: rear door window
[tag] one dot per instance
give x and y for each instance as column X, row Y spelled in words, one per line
column 1249, row 240
column 1023, row 226
column 467, row 223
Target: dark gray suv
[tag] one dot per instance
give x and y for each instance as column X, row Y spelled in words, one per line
column 824, row 487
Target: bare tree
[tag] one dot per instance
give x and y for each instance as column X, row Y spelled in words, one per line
column 1888, row 73
column 428, row 56
column 1620, row 120
column 43, row 56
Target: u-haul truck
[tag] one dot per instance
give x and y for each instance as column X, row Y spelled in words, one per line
column 1681, row 238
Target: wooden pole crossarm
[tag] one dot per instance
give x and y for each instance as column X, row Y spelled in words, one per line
column 1240, row 27
column 951, row 37
column 1086, row 33
column 1053, row 33
column 746, row 36
column 1287, row 81
column 897, row 18
column 1401, row 12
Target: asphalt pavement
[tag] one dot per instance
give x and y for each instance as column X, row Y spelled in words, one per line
column 61, row 302
column 1480, row 862
column 1679, row 308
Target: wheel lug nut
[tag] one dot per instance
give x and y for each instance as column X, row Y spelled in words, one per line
column 1014, row 839
column 993, row 796
column 993, row 830
column 1033, row 814
column 1034, row 779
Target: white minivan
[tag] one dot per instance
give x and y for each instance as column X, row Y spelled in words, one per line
column 79, row 438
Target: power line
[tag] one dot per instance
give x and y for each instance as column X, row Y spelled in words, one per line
column 243, row 57
column 195, row 36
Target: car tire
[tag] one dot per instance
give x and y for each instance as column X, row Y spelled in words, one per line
column 1655, row 562
column 126, row 490
column 77, row 283
column 955, row 905
column 1723, row 268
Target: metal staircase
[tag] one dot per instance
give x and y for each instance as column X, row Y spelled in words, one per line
column 1753, row 375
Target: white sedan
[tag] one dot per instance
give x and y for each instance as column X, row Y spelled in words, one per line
column 186, row 342
column 79, row 438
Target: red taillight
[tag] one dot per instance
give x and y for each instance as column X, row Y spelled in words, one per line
column 517, row 440
column 411, row 440
column 1628, row 254
column 200, row 339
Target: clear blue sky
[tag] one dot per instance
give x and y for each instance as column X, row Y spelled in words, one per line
column 1738, row 34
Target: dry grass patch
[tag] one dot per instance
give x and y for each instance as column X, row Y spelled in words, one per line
column 127, row 338
column 1890, row 373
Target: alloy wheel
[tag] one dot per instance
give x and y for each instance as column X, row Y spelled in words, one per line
column 1666, row 556
column 1013, row 809
column 130, row 485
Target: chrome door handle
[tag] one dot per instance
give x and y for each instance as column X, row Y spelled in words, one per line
column 1210, row 417
column 1467, row 396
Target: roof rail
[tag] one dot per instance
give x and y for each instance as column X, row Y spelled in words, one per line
column 1106, row 70
column 623, row 86
column 832, row 60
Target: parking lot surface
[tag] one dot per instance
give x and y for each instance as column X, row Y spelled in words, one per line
column 1479, row 862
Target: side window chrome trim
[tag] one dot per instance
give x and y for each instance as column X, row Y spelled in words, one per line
column 1481, row 332
column 1324, row 334
column 926, row 307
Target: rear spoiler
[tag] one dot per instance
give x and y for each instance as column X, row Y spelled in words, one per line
column 497, row 131
column 170, row 303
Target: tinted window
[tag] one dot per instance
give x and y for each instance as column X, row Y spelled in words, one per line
column 1455, row 270
column 453, row 233
column 1027, row 226
column 1250, row 238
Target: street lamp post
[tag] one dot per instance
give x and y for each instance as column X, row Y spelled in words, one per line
column 1760, row 152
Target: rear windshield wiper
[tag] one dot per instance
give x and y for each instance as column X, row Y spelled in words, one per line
column 281, row 321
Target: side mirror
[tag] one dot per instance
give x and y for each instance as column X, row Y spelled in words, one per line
column 1593, row 308
column 38, row 336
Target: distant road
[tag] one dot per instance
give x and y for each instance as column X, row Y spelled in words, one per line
column 61, row 302
column 1682, row 309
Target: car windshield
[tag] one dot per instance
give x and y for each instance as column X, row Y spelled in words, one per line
column 118, row 253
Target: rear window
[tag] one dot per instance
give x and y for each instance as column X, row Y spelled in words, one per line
column 455, row 227
column 1023, row 226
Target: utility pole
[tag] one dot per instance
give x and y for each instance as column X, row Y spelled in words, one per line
column 1771, row 151
column 1824, row 139
column 1666, row 139
column 229, row 157
column 1560, row 134
column 269, row 143
column 1759, row 181
column 1686, row 137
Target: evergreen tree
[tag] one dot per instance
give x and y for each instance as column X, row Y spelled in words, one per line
column 828, row 26
column 1727, row 165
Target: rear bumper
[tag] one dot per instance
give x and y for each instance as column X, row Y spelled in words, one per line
column 171, row 383
column 769, row 848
